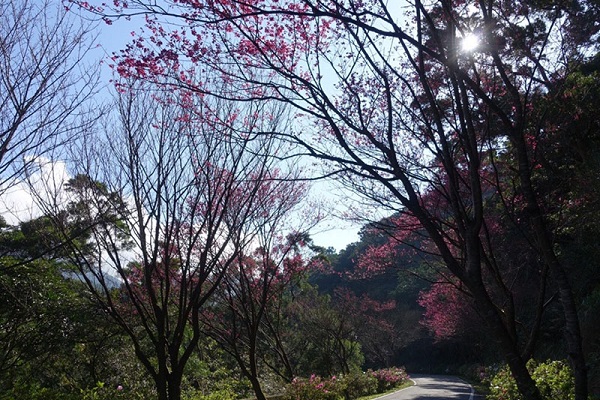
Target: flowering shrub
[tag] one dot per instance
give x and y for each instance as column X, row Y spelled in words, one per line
column 314, row 388
column 389, row 378
column 553, row 378
column 349, row 386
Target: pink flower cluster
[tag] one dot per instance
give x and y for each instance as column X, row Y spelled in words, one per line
column 389, row 378
column 314, row 388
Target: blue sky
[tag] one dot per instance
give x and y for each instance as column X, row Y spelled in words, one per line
column 335, row 232
column 17, row 203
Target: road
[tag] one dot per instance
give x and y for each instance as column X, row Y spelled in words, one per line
column 434, row 387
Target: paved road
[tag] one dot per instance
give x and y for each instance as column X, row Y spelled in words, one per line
column 434, row 387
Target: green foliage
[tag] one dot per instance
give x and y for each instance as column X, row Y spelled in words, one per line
column 103, row 392
column 503, row 386
column 26, row 390
column 215, row 385
column 211, row 374
column 42, row 318
column 553, row 378
column 221, row 394
column 358, row 384
column 322, row 335
column 45, row 319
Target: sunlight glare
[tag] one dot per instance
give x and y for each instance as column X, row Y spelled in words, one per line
column 470, row 42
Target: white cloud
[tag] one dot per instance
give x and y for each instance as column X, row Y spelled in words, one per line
column 21, row 201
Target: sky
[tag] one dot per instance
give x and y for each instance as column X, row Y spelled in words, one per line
column 334, row 232
column 17, row 203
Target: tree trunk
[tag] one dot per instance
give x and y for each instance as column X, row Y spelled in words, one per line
column 525, row 384
column 161, row 387
column 508, row 344
column 174, row 382
column 252, row 371
column 500, row 328
column 546, row 249
column 572, row 328
column 257, row 388
column 573, row 335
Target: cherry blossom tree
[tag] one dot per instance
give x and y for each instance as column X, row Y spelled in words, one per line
column 398, row 108
column 445, row 310
column 514, row 277
column 244, row 308
column 188, row 184
column 247, row 301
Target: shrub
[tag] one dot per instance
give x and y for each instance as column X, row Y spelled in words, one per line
column 503, row 386
column 349, row 386
column 357, row 384
column 222, row 394
column 23, row 391
column 389, row 378
column 553, row 378
column 34, row 391
column 314, row 388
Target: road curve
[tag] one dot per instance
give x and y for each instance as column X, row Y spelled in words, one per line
column 434, row 387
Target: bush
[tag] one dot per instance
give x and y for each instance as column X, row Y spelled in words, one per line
column 222, row 394
column 349, row 386
column 503, row 386
column 33, row 391
column 553, row 378
column 389, row 378
column 103, row 392
column 314, row 388
column 357, row 384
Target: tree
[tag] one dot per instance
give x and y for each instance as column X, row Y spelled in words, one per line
column 47, row 346
column 323, row 334
column 187, row 185
column 246, row 305
column 381, row 301
column 445, row 311
column 516, row 280
column 44, row 83
column 373, row 327
column 402, row 110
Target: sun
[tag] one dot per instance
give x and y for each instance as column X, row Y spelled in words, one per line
column 469, row 43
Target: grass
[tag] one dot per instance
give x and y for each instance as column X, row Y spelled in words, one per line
column 374, row 396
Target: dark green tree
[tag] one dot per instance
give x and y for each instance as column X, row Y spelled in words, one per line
column 45, row 317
